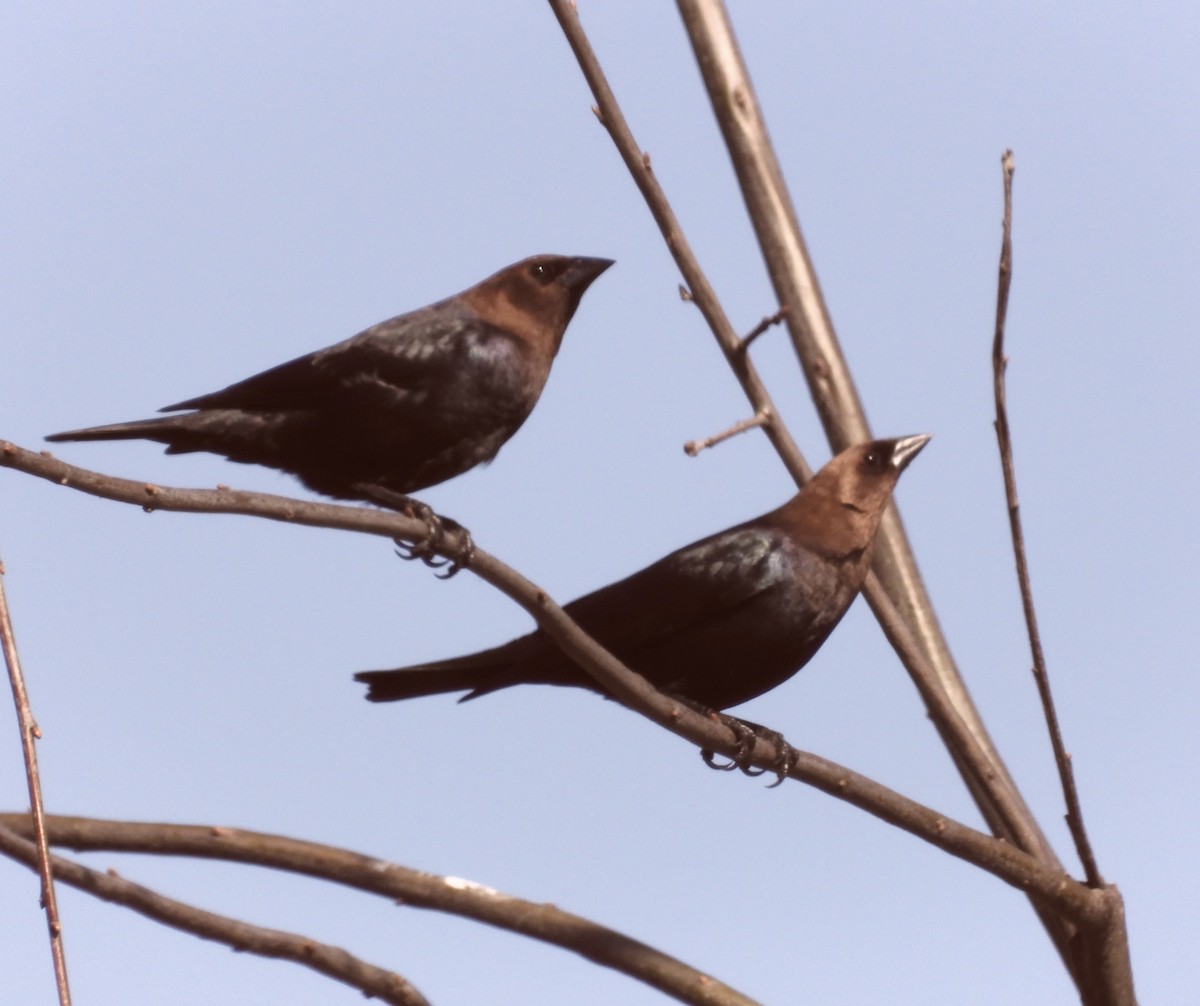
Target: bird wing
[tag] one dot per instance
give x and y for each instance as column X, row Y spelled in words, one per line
column 410, row 352
column 698, row 584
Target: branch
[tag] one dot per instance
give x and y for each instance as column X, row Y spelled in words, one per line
column 694, row 447
column 773, row 216
column 1000, row 800
column 999, row 362
column 903, row 608
column 1010, row 864
column 407, row 887
column 242, row 936
column 993, row 789
column 29, row 735
column 698, row 288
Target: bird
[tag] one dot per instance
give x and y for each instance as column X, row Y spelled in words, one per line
column 715, row 623
column 402, row 406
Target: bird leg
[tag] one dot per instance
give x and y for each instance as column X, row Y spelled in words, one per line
column 436, row 530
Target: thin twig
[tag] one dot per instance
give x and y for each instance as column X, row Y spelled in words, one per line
column 999, row 363
column 331, row 961
column 694, row 447
column 697, row 288
column 768, row 322
column 402, row 885
column 1024, row 871
column 29, row 736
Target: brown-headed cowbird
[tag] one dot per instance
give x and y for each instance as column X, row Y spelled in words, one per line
column 716, row 623
column 404, row 405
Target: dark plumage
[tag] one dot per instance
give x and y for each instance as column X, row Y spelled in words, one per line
column 717, row 622
column 405, row 405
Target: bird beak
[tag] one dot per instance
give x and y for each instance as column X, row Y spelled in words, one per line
column 907, row 448
column 582, row 272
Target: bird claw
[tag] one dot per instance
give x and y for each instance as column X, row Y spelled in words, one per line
column 436, row 528
column 747, row 733
column 424, row 549
column 710, row 759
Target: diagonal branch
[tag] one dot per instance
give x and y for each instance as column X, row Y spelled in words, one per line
column 411, row 888
column 372, row 981
column 1002, row 804
column 773, row 216
column 1041, row 677
column 1014, row 867
column 474, row 901
column 698, row 288
column 901, row 603
column 29, row 735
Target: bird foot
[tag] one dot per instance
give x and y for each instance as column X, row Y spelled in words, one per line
column 425, row 548
column 428, row 549
column 747, row 733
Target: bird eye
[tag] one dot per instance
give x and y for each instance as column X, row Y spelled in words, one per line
column 545, row 272
column 874, row 461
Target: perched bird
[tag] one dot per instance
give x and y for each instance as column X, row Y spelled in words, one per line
column 404, row 405
column 715, row 623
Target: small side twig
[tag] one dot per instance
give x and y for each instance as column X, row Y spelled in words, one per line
column 767, row 322
column 372, row 981
column 999, row 363
column 694, row 447
column 29, row 736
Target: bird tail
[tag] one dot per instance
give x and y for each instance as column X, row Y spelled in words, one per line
column 476, row 674
column 142, row 429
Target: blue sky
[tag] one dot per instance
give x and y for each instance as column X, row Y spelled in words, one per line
column 190, row 194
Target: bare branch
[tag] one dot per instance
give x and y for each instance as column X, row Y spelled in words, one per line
column 694, row 447
column 1002, row 804
column 697, row 287
column 372, row 981
column 411, row 888
column 29, row 736
column 1002, row 859
column 474, row 901
column 1040, row 675
column 997, row 795
column 773, row 216
column 903, row 609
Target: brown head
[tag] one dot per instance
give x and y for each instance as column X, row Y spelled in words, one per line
column 536, row 298
column 837, row 513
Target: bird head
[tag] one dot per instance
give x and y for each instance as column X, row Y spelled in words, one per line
column 842, row 504
column 537, row 297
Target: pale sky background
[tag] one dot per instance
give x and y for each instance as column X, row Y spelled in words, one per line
column 192, row 193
